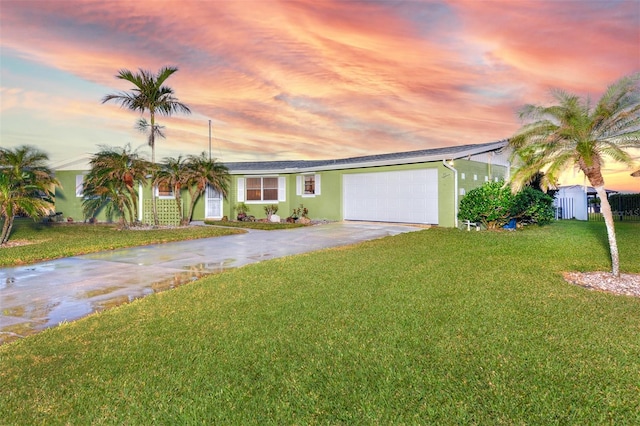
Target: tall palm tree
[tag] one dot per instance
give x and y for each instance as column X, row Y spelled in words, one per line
column 26, row 186
column 201, row 171
column 112, row 182
column 573, row 133
column 149, row 94
column 173, row 172
column 144, row 126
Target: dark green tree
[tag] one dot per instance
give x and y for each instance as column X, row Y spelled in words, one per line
column 112, row 183
column 200, row 173
column 26, row 186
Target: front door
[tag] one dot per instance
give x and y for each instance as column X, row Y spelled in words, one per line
column 213, row 203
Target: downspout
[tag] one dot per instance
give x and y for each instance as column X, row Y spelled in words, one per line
column 455, row 192
column 489, row 157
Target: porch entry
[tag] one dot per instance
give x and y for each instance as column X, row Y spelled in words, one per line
column 213, row 203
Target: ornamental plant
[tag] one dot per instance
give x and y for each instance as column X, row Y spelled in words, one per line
column 494, row 205
column 533, row 206
column 299, row 212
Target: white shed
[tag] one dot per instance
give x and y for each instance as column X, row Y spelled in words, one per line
column 571, row 202
column 577, row 201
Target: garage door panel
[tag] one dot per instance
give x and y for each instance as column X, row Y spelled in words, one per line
column 403, row 196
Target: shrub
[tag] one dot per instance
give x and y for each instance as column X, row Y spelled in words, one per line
column 491, row 204
column 271, row 209
column 242, row 209
column 533, row 206
column 301, row 211
column 494, row 205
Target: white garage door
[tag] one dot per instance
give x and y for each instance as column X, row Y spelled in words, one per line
column 409, row 196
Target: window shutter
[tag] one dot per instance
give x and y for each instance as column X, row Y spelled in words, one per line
column 282, row 196
column 79, row 185
column 317, row 185
column 241, row 190
column 299, row 184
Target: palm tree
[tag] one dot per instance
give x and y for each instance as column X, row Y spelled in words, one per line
column 111, row 197
column 26, row 186
column 172, row 172
column 573, row 133
column 144, row 126
column 149, row 94
column 201, row 171
column 112, row 181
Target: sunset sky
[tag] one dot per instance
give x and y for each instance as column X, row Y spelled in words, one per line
column 310, row 79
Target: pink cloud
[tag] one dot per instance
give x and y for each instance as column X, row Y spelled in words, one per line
column 308, row 79
column 580, row 46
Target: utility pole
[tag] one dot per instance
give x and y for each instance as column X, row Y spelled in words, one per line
column 209, row 140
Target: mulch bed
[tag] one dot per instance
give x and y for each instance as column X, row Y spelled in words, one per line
column 625, row 284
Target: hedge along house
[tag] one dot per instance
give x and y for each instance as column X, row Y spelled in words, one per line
column 422, row 187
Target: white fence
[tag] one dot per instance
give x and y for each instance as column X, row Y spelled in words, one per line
column 564, row 208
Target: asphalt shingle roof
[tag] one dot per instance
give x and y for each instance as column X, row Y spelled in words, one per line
column 434, row 154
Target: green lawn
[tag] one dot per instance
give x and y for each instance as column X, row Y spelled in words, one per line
column 55, row 240
column 438, row 326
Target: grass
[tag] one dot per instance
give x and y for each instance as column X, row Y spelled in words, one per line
column 264, row 226
column 438, row 326
column 53, row 241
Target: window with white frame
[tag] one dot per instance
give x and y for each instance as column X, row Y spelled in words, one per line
column 265, row 188
column 308, row 185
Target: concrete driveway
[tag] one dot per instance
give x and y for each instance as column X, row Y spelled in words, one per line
column 42, row 295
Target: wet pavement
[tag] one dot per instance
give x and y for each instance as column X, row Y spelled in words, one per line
column 42, row 295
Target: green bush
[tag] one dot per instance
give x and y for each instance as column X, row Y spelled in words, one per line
column 494, row 206
column 491, row 204
column 533, row 206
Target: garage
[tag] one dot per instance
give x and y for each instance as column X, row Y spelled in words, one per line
column 409, row 196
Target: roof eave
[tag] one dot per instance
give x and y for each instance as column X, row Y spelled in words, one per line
column 380, row 163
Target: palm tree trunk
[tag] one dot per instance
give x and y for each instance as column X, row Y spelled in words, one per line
column 130, row 211
column 179, row 205
column 6, row 229
column 153, row 161
column 605, row 208
column 192, row 203
column 134, row 202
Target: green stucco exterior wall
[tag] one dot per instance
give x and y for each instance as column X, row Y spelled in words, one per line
column 328, row 205
column 66, row 201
